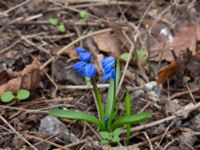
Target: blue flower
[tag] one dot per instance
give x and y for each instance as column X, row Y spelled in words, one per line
column 84, row 67
column 80, row 50
column 89, row 70
column 80, row 67
column 85, row 56
column 108, row 65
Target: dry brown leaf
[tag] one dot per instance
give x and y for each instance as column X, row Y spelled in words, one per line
column 70, row 52
column 185, row 37
column 28, row 78
column 31, row 75
column 108, row 43
column 192, row 66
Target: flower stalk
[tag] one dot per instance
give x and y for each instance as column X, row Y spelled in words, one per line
column 98, row 101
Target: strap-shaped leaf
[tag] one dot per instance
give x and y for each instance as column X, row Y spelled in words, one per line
column 110, row 100
column 68, row 114
column 137, row 118
column 117, row 77
column 128, row 113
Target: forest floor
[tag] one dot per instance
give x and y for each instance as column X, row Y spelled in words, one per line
column 156, row 42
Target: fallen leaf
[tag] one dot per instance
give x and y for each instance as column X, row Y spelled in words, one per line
column 108, row 43
column 70, row 52
column 28, row 78
column 184, row 37
column 192, row 66
column 31, row 75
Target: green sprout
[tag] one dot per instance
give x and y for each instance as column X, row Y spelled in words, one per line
column 139, row 54
column 84, row 15
column 9, row 96
column 61, row 28
column 54, row 22
column 22, row 94
column 110, row 137
column 124, row 56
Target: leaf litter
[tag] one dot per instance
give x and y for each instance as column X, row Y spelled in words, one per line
column 28, row 78
column 155, row 28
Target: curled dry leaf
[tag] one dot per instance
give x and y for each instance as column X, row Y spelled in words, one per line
column 192, row 66
column 108, row 43
column 28, row 78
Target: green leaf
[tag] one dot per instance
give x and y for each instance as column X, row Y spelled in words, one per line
column 53, row 21
column 117, row 132
column 117, row 78
column 128, row 103
column 104, row 135
column 128, row 113
column 137, row 118
column 110, row 100
column 110, row 136
column 116, row 139
column 68, row 114
column 22, row 94
column 140, row 53
column 84, row 15
column 103, row 141
column 124, row 56
column 61, row 28
column 7, row 97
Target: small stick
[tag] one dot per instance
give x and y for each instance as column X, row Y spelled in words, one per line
column 149, row 141
column 175, row 56
column 49, row 142
column 16, row 132
column 155, row 123
column 81, row 87
column 13, row 8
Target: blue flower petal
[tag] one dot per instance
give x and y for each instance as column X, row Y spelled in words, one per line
column 108, row 63
column 106, row 119
column 80, row 67
column 80, row 50
column 85, row 56
column 90, row 70
column 112, row 74
column 109, row 74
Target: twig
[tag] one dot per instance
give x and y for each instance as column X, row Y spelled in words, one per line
column 49, row 142
column 81, row 87
column 168, row 144
column 5, row 13
column 16, row 132
column 126, row 67
column 9, row 47
column 76, row 143
column 166, row 131
column 183, row 93
column 22, row 109
column 145, row 126
column 190, row 93
column 149, row 141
